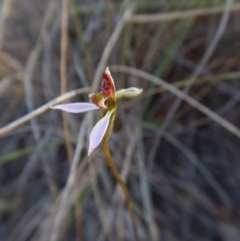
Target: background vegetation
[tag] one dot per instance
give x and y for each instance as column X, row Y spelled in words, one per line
column 177, row 145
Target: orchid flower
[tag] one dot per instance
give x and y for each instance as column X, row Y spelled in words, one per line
column 105, row 99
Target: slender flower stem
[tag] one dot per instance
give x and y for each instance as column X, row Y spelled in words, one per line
column 116, row 173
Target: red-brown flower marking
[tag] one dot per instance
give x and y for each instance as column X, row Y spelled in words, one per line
column 99, row 100
column 107, row 86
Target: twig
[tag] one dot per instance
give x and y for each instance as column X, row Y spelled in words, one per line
column 182, row 83
column 29, row 92
column 71, row 182
column 193, row 13
column 63, row 75
column 147, row 201
column 10, row 127
column 79, row 176
column 63, row 71
column 6, row 6
column 218, row 119
column 204, row 121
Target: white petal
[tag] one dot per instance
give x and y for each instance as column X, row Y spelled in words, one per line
column 76, row 107
column 98, row 132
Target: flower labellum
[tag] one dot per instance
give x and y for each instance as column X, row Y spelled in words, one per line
column 99, row 100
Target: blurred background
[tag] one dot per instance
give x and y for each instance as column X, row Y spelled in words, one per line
column 176, row 145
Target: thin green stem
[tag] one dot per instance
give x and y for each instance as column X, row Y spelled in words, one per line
column 117, row 175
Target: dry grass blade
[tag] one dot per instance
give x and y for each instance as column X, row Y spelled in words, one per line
column 109, row 46
column 218, row 119
column 208, row 53
column 10, row 127
column 64, row 206
column 5, row 11
column 162, row 17
column 63, row 70
column 220, row 191
column 145, row 191
column 100, row 205
column 29, row 93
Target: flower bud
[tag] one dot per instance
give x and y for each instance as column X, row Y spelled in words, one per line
column 128, row 93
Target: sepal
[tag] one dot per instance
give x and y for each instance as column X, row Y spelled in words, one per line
column 98, row 132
